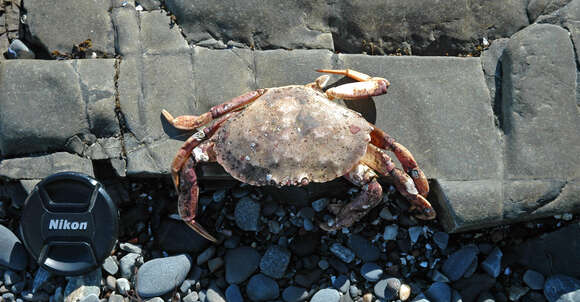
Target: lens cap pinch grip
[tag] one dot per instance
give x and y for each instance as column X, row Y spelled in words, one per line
column 69, row 223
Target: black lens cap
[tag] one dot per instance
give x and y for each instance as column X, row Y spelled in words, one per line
column 69, row 223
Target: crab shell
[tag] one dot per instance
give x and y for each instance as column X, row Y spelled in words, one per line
column 291, row 135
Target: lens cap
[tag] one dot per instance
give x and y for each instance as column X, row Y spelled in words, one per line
column 69, row 223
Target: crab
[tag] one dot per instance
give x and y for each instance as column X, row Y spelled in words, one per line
column 294, row 135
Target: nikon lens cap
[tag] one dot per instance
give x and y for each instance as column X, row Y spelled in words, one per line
column 69, row 223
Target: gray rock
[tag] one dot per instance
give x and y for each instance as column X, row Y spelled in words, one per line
column 491, row 63
column 342, row 283
column 110, row 265
column 265, row 31
column 414, row 233
column 234, row 294
column 570, row 297
column 19, row 50
column 50, row 25
column 275, row 261
column 215, row 264
column 320, row 204
column 126, row 21
column 471, row 269
column 533, row 279
column 558, row 285
column 247, row 214
column 116, row 298
column 205, row 255
column 262, row 288
column 441, row 239
column 130, row 248
column 9, row 297
column 388, row 288
column 12, row 252
column 43, row 166
column 128, row 264
column 543, row 7
column 158, row 37
column 79, row 287
column 123, row 286
column 159, row 276
column 363, row 248
column 176, row 237
column 214, row 294
column 439, row 292
column 492, row 264
column 191, row 297
column 241, row 263
column 371, row 271
column 294, row 294
column 515, row 292
column 391, row 232
column 343, row 253
column 538, row 90
column 326, row 295
column 458, row 263
column 90, row 298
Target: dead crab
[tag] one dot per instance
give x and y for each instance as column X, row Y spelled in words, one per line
column 294, row 135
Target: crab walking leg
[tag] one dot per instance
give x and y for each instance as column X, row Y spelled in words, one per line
column 190, row 122
column 382, row 163
column 370, row 196
column 366, row 87
column 382, row 140
column 189, row 192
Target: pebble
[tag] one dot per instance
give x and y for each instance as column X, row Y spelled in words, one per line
column 439, row 292
column 233, row 294
column 247, row 214
column 404, row 292
column 79, row 287
column 274, row 226
column 570, row 297
column 391, row 232
column 363, row 248
column 9, row 297
column 422, row 298
column 215, row 264
column 320, row 204
column 308, row 225
column 515, row 292
column 204, row 256
column 388, row 288
column 534, row 280
column 123, row 286
column 155, row 299
column 368, row 297
column 130, row 248
column 116, row 298
column 371, row 271
column 213, row 294
column 128, row 264
column 12, row 252
column 111, row 282
column 558, row 285
column 326, row 295
column 459, row 262
column 110, row 265
column 342, row 283
column 241, row 263
column 414, row 233
column 441, row 239
column 90, row 298
column 437, row 276
column 386, row 214
column 294, row 294
column 275, row 261
column 161, row 275
column 343, row 253
column 30, row 296
column 191, row 297
column 262, row 288
column 354, row 291
column 471, row 269
column 492, row 264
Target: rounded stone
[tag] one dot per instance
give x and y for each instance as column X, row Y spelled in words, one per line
column 342, row 283
column 388, row 288
column 275, row 261
column 247, row 214
column 233, row 294
column 241, row 263
column 439, row 292
column 326, row 295
column 159, row 276
column 558, row 285
column 262, row 288
column 459, row 262
column 534, row 280
column 294, row 294
column 371, row 271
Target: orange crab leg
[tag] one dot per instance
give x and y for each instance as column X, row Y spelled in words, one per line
column 376, row 159
column 382, row 140
column 191, row 122
column 366, row 87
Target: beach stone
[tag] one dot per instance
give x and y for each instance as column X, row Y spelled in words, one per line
column 215, row 264
column 204, row 256
column 247, row 214
column 214, row 294
column 570, row 297
column 123, row 286
column 11, row 277
column 116, row 298
column 234, row 294
column 458, row 262
column 128, row 265
column 158, row 37
column 388, row 288
column 533, row 279
column 191, row 297
column 262, row 288
column 110, row 265
column 414, row 233
column 342, row 283
column 492, row 264
column 391, row 232
column 159, row 276
column 371, row 271
column 294, row 294
column 275, row 261
column 12, row 252
column 90, row 298
column 343, row 253
column 558, row 285
column 42, row 166
column 439, row 292
column 241, row 263
column 80, row 287
column 441, row 239
column 363, row 248
column 326, row 295
column 130, row 248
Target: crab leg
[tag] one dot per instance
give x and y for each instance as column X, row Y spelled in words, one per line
column 366, row 87
column 190, row 122
column 189, row 189
column 382, row 163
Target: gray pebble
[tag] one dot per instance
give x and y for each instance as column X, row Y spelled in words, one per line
column 274, row 226
column 155, row 299
column 90, row 298
column 30, row 296
column 294, row 294
column 110, row 265
column 323, row 264
column 8, row 297
column 326, row 295
column 534, row 280
column 128, row 264
column 342, row 283
column 159, row 276
column 386, row 214
column 130, row 248
column 262, row 288
column 515, row 292
column 79, row 287
column 343, row 253
column 388, row 288
column 439, row 292
column 247, row 214
column 192, row 297
column 233, row 294
column 371, row 271
column 441, row 239
column 123, row 286
column 570, row 297
column 308, row 225
column 492, row 264
column 354, row 291
column 437, row 276
column 215, row 264
column 320, row 204
column 116, row 298
column 204, row 256
column 213, row 294
column 241, row 263
column 558, row 285
column 414, row 233
column 275, row 261
column 459, row 262
column 111, row 282
column 391, row 232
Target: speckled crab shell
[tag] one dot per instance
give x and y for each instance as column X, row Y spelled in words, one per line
column 291, row 135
